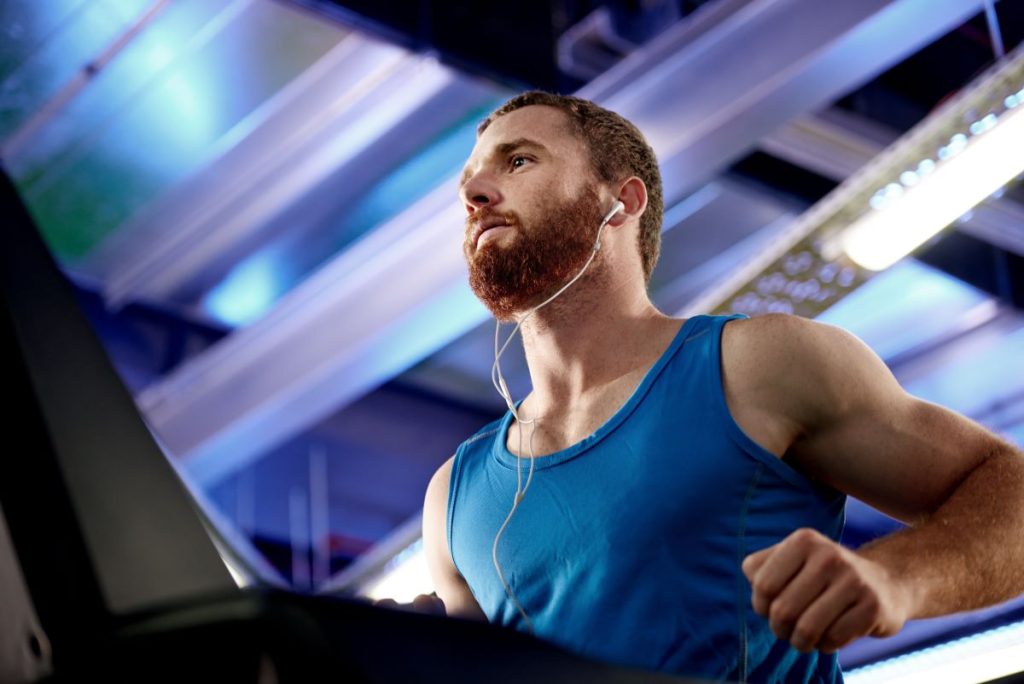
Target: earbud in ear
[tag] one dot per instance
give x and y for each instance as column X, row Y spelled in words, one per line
column 616, row 208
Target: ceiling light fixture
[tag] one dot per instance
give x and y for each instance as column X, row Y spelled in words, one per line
column 964, row 152
column 971, row 166
column 976, row 658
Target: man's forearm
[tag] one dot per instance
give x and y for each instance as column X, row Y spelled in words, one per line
column 970, row 552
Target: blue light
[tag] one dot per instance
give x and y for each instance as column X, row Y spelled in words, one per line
column 956, row 144
column 886, row 196
column 248, row 291
column 979, row 378
column 983, row 124
column 896, row 310
column 415, row 178
column 690, row 206
column 177, row 107
column 258, row 282
column 1015, row 434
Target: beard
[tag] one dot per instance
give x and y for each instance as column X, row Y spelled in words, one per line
column 538, row 260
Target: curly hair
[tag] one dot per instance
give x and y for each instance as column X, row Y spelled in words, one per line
column 617, row 150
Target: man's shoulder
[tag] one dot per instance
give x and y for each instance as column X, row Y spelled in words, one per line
column 798, row 367
column 780, row 357
column 784, row 337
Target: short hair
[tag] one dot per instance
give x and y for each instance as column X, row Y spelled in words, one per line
column 617, row 150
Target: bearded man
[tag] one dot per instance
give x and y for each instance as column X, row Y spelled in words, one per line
column 686, row 483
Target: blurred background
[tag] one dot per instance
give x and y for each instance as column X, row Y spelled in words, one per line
column 255, row 202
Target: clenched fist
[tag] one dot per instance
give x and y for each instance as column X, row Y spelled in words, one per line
column 818, row 595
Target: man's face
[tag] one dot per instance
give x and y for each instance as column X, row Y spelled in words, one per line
column 532, row 209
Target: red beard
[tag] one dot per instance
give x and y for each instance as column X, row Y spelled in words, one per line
column 515, row 277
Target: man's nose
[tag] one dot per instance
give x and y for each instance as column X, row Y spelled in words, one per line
column 478, row 192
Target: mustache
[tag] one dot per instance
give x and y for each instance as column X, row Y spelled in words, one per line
column 484, row 213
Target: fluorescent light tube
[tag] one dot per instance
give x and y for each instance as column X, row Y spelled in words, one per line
column 405, row 578
column 976, row 658
column 987, row 162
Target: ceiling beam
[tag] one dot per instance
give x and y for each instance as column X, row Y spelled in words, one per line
column 315, row 146
column 705, row 91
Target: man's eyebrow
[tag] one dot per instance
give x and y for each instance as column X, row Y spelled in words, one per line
column 503, row 150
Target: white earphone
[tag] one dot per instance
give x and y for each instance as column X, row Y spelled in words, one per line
column 499, row 384
column 616, row 208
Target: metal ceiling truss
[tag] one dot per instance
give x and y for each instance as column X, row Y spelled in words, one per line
column 837, row 144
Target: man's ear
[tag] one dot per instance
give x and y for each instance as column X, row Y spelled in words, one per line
column 633, row 195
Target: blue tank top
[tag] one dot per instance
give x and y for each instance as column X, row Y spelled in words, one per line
column 627, row 546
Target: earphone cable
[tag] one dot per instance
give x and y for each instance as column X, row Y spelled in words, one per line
column 498, row 380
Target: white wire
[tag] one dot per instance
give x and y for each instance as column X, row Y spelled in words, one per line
column 498, row 380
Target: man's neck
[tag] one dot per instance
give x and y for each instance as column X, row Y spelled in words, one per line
column 580, row 343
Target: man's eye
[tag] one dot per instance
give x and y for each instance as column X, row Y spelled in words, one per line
column 515, row 161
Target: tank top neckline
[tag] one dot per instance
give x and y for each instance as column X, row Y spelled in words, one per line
column 506, row 458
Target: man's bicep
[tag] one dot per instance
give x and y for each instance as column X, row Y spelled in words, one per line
column 874, row 441
column 448, row 583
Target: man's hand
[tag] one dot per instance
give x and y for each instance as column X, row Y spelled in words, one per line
column 424, row 603
column 818, row 595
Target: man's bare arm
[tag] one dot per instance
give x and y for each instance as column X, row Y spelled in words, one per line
column 448, row 583
column 958, row 485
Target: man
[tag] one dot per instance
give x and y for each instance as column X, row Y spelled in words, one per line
column 687, row 478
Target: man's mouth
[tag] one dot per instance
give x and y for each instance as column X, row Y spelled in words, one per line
column 486, row 225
